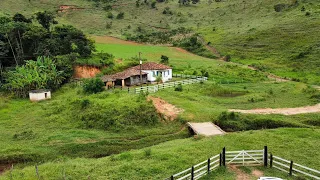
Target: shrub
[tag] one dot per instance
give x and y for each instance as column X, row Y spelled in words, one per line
column 84, row 103
column 147, row 152
column 93, row 86
column 120, row 15
column 231, row 121
column 153, row 4
column 24, row 135
column 178, row 88
column 164, row 59
column 110, row 15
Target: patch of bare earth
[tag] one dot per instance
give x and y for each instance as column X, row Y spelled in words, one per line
column 169, row 111
column 284, row 111
column 4, row 167
column 241, row 175
column 112, row 40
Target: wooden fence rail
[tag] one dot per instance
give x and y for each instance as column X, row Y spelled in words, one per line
column 245, row 158
column 155, row 88
column 293, row 168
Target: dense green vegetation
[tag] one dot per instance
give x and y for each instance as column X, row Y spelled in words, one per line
column 34, row 75
column 75, row 124
column 81, row 122
column 266, row 34
column 184, row 62
column 163, row 160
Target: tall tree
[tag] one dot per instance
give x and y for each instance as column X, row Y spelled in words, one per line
column 46, row 19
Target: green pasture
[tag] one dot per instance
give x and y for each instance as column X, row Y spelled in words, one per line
column 163, row 160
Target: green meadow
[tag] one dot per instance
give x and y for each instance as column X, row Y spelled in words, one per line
column 163, row 160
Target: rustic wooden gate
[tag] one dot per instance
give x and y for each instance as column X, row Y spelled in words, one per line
column 245, row 157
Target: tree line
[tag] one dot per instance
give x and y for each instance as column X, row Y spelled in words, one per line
column 37, row 52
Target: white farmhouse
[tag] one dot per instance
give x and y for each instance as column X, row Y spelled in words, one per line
column 154, row 69
column 38, row 95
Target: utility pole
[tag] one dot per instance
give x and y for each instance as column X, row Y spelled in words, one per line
column 140, row 68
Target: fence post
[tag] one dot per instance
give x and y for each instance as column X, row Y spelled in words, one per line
column 162, row 85
column 171, row 178
column 192, row 173
column 271, row 159
column 290, row 170
column 208, row 165
column 265, row 156
column 128, row 90
column 220, row 162
column 37, row 171
column 11, row 177
column 224, row 156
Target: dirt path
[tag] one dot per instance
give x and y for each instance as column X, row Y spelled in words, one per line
column 241, row 175
column 316, row 87
column 284, row 111
column 169, row 111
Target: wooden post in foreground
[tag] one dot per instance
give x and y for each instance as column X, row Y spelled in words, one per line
column 224, row 156
column 271, row 159
column 192, row 173
column 290, row 170
column 208, row 165
column 265, row 156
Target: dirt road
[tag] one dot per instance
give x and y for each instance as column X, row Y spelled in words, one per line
column 284, row 111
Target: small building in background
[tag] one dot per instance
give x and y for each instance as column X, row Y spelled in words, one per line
column 154, row 70
column 39, row 95
column 128, row 77
column 131, row 76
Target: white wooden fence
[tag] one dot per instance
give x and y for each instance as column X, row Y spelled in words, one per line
column 155, row 88
column 293, row 168
column 199, row 170
column 245, row 158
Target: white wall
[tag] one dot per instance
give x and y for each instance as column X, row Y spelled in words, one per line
column 39, row 96
column 167, row 75
column 152, row 74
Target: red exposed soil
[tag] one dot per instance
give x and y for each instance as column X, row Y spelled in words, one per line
column 65, row 8
column 85, row 71
column 169, row 111
column 4, row 167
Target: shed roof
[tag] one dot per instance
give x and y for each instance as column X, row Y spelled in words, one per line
column 122, row 75
column 151, row 66
column 40, row 91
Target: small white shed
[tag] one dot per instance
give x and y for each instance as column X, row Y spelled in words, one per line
column 39, row 95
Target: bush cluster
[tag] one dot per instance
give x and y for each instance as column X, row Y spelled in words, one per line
column 231, row 121
column 92, row 86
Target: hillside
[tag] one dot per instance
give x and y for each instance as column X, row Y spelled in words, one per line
column 163, row 160
column 252, row 32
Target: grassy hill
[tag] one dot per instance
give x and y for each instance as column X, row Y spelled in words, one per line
column 163, row 160
column 252, row 32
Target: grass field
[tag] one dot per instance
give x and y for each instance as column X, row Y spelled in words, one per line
column 38, row 132
column 181, row 60
column 163, row 160
column 115, row 135
column 284, row 43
